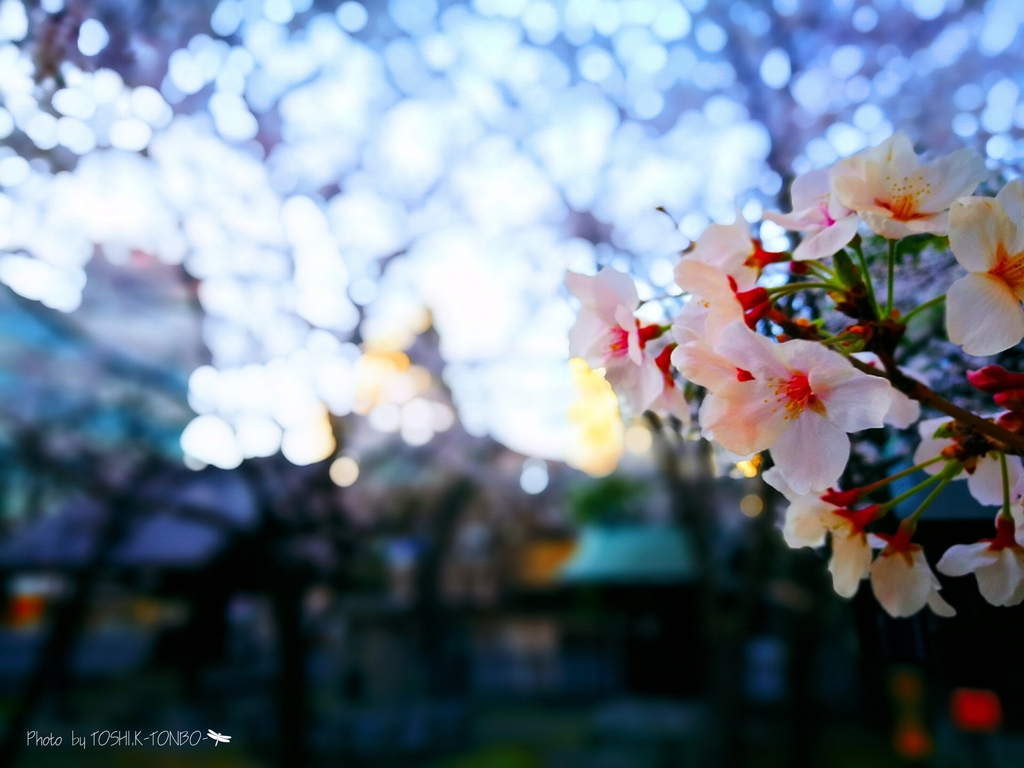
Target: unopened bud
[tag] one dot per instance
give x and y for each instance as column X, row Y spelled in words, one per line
column 995, row 378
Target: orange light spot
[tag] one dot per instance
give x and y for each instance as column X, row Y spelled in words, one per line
column 912, row 741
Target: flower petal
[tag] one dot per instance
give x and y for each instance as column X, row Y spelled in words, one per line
column 728, row 246
column 986, row 482
column 854, row 400
column 776, row 480
column 948, row 178
column 998, row 581
column 740, row 419
column 697, row 363
column 983, row 315
column 851, row 561
column 608, row 288
column 939, row 605
column 751, row 352
column 902, row 410
column 828, row 240
column 806, row 522
column 882, row 223
column 901, row 589
column 977, row 227
column 962, row 559
column 1011, row 197
column 812, row 453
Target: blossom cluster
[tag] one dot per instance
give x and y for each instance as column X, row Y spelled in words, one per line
column 768, row 377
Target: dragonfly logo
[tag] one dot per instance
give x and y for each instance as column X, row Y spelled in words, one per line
column 219, row 738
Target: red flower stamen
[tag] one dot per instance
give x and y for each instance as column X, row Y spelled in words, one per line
column 664, row 363
column 860, row 518
column 761, row 258
column 843, row 498
column 1005, row 535
column 742, row 375
column 648, row 333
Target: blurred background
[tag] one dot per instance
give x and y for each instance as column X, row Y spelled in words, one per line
column 290, row 444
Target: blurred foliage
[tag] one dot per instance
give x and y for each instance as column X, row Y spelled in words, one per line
column 609, row 500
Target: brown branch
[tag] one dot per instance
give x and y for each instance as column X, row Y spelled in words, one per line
column 923, row 394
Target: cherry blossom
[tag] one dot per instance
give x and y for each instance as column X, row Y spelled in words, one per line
column 983, row 309
column 903, row 411
column 607, row 335
column 983, row 473
column 997, row 564
column 810, row 517
column 671, row 400
column 896, row 195
column 828, row 224
column 796, row 399
column 902, row 580
column 731, row 250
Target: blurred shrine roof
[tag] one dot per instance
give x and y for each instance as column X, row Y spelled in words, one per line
column 630, row 554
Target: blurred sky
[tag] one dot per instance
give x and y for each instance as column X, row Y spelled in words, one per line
column 338, row 178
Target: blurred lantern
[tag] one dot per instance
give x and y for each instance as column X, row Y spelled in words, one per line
column 975, row 710
column 911, row 739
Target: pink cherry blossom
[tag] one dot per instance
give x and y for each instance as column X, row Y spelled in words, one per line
column 810, row 517
column 902, row 580
column 671, row 400
column 608, row 335
column 983, row 309
column 731, row 250
column 997, row 564
column 902, row 411
column 985, row 481
column 828, row 224
column 896, row 195
column 797, row 399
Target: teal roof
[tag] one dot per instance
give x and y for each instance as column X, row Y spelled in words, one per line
column 628, row 554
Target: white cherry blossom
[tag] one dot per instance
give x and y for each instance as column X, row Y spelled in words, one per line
column 797, row 399
column 902, row 580
column 730, row 249
column 827, row 223
column 997, row 564
column 896, row 195
column 903, row 411
column 608, row 335
column 810, row 517
column 983, row 309
column 983, row 473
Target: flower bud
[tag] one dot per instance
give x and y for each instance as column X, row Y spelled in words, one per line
column 995, row 378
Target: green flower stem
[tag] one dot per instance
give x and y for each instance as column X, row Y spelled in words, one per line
column 1006, row 487
column 947, row 473
column 911, row 522
column 921, row 308
column 782, row 290
column 892, row 271
column 819, row 270
column 866, row 276
column 908, row 471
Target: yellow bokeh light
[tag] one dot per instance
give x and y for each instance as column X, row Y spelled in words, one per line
column 344, row 471
column 751, row 505
column 749, row 467
column 599, row 434
column 387, row 377
column 638, row 439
